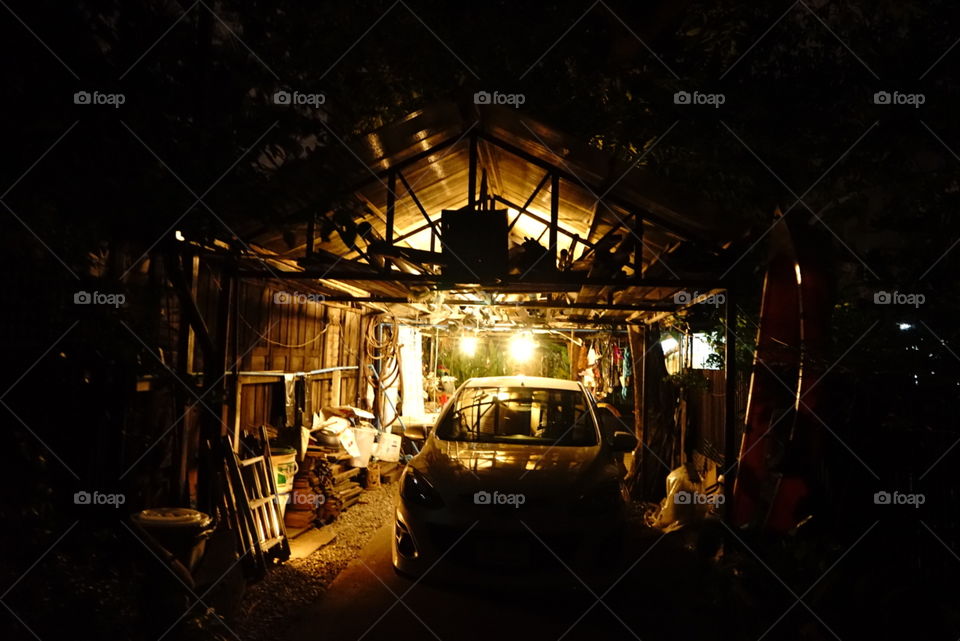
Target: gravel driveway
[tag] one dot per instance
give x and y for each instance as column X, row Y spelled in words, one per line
column 286, row 590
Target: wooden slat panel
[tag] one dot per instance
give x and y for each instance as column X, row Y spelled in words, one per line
column 301, row 335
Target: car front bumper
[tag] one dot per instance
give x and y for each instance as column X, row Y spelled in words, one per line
column 480, row 544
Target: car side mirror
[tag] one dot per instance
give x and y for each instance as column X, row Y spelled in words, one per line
column 623, row 442
column 415, row 432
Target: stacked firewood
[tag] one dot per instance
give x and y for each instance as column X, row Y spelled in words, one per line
column 325, row 486
column 345, row 489
column 313, row 500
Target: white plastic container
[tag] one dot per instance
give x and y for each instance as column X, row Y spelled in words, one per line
column 365, row 440
column 284, row 468
column 388, row 448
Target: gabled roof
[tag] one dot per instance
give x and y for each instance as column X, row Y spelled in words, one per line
column 430, row 152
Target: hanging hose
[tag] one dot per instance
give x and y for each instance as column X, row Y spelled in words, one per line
column 385, row 351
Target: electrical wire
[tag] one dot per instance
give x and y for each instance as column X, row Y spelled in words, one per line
column 278, row 343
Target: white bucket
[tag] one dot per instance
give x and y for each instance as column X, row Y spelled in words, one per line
column 284, row 469
column 365, row 438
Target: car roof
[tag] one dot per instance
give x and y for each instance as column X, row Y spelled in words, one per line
column 539, row 382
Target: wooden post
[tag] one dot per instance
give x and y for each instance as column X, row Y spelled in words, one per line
column 332, row 353
column 336, row 381
column 472, row 173
column 361, row 388
column 310, row 233
column 187, row 295
column 210, row 458
column 554, row 214
column 637, row 337
column 377, row 400
column 730, row 402
column 186, row 344
column 233, row 409
column 391, row 213
column 637, row 246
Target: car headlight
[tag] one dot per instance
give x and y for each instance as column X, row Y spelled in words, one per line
column 602, row 499
column 417, row 489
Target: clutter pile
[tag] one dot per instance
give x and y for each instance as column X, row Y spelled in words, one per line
column 344, row 454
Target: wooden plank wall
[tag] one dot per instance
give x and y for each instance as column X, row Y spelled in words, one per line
column 296, row 332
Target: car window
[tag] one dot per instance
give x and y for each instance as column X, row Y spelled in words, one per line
column 536, row 416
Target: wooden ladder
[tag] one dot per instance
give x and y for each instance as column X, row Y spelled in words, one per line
column 254, row 505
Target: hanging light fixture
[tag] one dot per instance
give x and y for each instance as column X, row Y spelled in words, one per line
column 468, row 344
column 522, row 347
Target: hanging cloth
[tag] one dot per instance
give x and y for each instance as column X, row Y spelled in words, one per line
column 626, row 371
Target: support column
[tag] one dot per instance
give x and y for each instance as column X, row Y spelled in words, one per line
column 377, row 370
column 186, row 344
column 730, row 444
column 391, row 212
column 233, row 410
column 637, row 246
column 472, row 174
column 310, row 233
column 554, row 215
column 637, row 336
column 212, row 428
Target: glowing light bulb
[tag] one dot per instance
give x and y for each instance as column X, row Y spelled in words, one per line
column 468, row 345
column 522, row 347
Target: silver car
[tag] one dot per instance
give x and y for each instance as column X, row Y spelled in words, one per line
column 518, row 477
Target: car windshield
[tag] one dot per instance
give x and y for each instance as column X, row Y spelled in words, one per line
column 524, row 415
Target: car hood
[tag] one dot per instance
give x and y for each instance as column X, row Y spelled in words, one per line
column 457, row 466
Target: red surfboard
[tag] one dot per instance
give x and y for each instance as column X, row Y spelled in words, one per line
column 781, row 440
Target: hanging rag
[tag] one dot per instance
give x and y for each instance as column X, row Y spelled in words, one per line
column 626, row 371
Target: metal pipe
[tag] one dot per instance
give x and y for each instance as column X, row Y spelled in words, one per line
column 325, row 370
